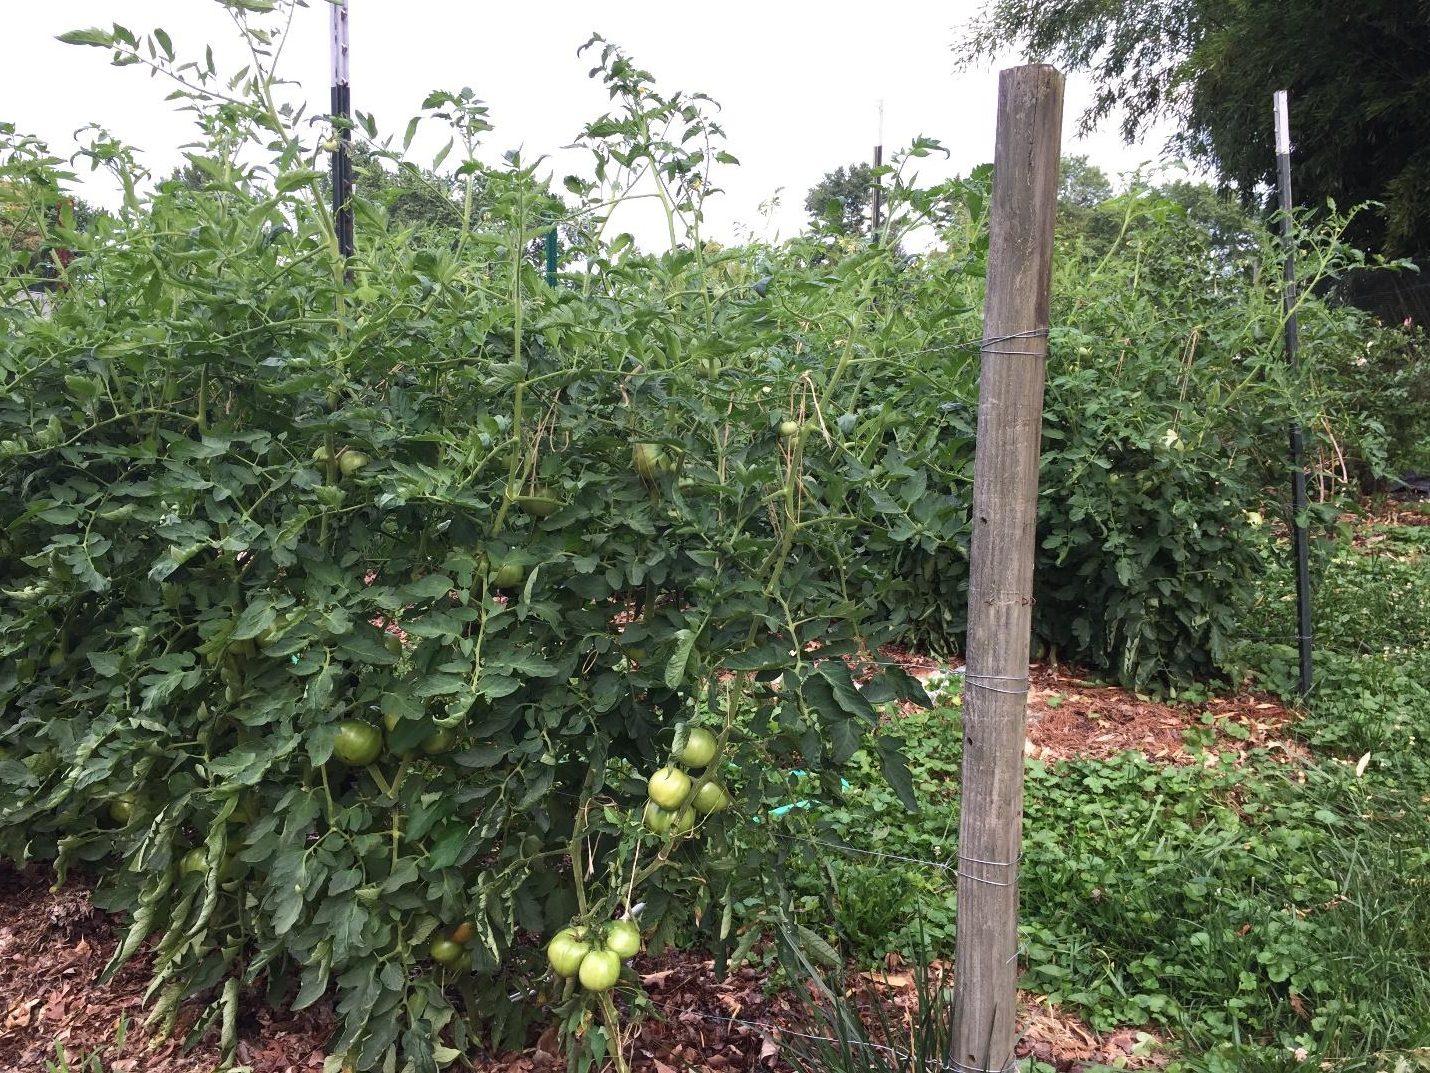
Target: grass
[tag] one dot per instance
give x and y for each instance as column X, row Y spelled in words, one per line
column 1265, row 916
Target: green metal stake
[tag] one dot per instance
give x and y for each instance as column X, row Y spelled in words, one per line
column 551, row 258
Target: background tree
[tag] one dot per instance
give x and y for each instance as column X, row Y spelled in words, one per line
column 1081, row 188
column 1359, row 76
column 839, row 202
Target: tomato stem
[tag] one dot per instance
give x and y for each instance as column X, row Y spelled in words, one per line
column 612, row 1020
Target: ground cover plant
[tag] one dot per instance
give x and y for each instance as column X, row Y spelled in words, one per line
column 1259, row 909
column 396, row 629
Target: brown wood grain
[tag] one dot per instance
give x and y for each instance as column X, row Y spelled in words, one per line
column 1005, row 491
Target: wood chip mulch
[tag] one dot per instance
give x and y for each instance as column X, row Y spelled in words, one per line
column 697, row 1024
column 53, row 946
column 1071, row 717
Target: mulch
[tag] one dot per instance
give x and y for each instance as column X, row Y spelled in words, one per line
column 53, row 946
column 697, row 1023
column 1071, row 716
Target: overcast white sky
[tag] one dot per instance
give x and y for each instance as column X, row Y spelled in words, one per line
column 800, row 82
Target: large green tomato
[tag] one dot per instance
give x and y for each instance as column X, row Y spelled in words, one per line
column 649, row 460
column 195, row 862
column 539, row 502
column 623, row 939
column 357, row 743
column 699, row 748
column 567, row 951
column 711, row 797
column 600, row 969
column 669, row 787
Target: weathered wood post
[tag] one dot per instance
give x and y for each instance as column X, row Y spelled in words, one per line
column 1000, row 590
column 1299, row 538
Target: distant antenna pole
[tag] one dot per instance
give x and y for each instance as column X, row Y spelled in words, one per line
column 342, row 126
column 1298, row 468
column 878, row 213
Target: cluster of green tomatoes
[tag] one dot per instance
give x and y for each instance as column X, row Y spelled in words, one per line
column 594, row 959
column 671, row 807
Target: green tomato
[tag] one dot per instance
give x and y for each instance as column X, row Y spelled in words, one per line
column 357, row 743
column 657, row 820
column 195, row 862
column 321, row 455
column 446, row 951
column 122, row 809
column 711, row 797
column 683, row 823
column 669, row 787
column 439, row 741
column 599, row 971
column 789, row 428
column 350, row 462
column 699, row 748
column 539, row 502
column 508, row 575
column 623, row 939
column 566, row 952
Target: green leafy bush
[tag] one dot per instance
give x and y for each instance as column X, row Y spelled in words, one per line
column 342, row 620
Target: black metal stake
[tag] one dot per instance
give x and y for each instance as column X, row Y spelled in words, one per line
column 1298, row 468
column 342, row 101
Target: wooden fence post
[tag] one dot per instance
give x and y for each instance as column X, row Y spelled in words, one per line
column 1000, row 589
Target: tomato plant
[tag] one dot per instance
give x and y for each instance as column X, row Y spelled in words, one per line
column 381, row 591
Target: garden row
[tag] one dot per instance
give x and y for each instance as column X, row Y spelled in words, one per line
column 346, row 610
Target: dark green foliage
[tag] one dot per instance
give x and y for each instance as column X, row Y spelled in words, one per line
column 1164, row 428
column 200, row 576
